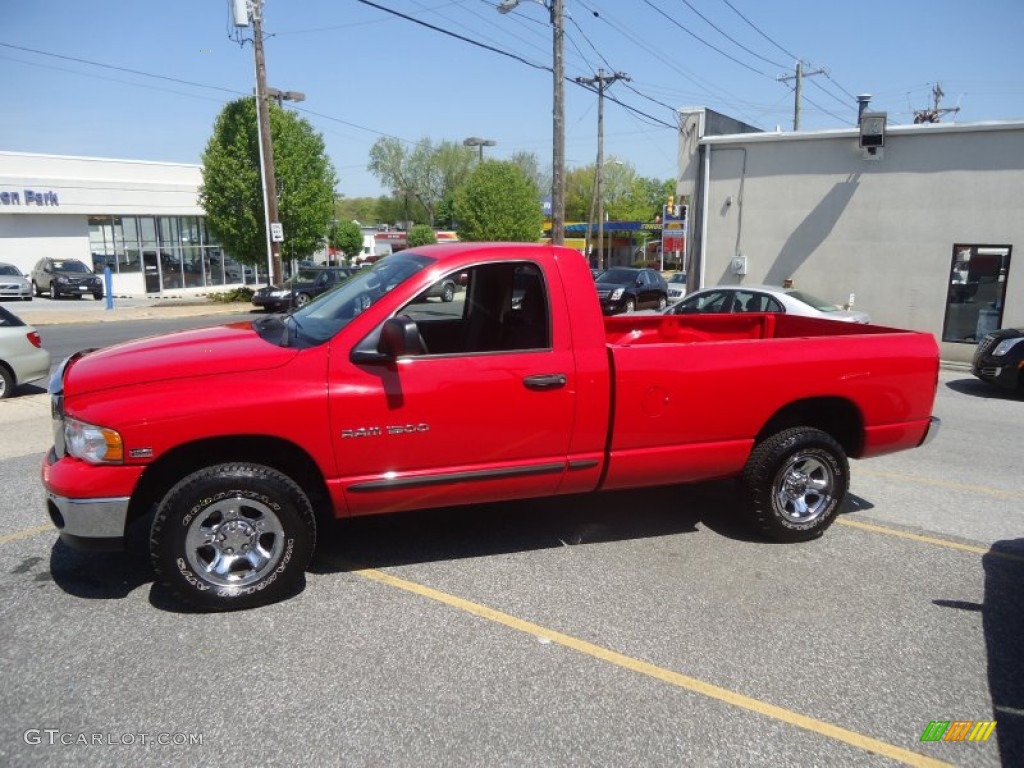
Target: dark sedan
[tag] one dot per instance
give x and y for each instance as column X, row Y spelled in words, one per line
column 626, row 289
column 1000, row 358
column 307, row 284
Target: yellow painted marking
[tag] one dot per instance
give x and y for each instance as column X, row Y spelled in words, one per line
column 945, row 543
column 7, row 538
column 951, row 484
column 676, row 679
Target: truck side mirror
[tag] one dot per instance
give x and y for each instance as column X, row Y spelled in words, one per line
column 399, row 337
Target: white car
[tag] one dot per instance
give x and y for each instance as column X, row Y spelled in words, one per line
column 22, row 357
column 13, row 284
column 762, row 298
column 677, row 286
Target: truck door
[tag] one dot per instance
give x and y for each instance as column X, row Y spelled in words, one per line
column 480, row 408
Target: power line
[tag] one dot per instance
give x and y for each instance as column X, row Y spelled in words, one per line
column 729, row 38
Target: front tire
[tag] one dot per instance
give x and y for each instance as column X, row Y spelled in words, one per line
column 233, row 536
column 6, row 383
column 794, row 483
column 53, row 291
column 630, row 305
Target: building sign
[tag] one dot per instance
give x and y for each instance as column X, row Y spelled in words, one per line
column 29, row 196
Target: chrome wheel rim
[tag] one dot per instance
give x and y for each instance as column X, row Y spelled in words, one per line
column 234, row 542
column 302, row 300
column 804, row 489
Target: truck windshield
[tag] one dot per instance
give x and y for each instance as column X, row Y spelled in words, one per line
column 323, row 317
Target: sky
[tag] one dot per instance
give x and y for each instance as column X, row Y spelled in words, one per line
column 146, row 80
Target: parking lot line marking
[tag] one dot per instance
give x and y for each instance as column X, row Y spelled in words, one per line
column 946, row 543
column 9, row 537
column 981, row 489
column 820, row 727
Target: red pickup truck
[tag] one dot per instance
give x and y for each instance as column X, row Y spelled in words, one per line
column 233, row 441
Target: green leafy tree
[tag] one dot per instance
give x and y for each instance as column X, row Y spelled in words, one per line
column 361, row 209
column 498, row 202
column 420, row 234
column 232, row 191
column 428, row 174
column 347, row 237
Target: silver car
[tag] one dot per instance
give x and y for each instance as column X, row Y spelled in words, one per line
column 22, row 357
column 13, row 284
column 762, row 298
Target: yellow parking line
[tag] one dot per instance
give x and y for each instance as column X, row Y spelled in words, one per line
column 26, row 533
column 945, row 543
column 984, row 490
column 676, row 679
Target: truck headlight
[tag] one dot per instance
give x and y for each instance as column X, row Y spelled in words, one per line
column 617, row 294
column 97, row 445
column 1005, row 346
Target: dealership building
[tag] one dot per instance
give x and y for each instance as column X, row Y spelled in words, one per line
column 141, row 219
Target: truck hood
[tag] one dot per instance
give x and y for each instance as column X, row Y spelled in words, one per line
column 234, row 348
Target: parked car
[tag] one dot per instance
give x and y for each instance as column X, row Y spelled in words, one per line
column 626, row 289
column 13, row 284
column 762, row 298
column 65, row 277
column 443, row 289
column 22, row 357
column 677, row 286
column 999, row 358
column 298, row 291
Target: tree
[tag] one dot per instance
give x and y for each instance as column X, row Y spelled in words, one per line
column 427, row 175
column 347, row 237
column 421, row 234
column 232, row 190
column 498, row 202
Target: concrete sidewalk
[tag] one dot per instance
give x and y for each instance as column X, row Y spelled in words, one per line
column 44, row 311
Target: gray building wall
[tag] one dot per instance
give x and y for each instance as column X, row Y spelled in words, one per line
column 811, row 208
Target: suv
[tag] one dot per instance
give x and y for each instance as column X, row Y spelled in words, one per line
column 308, row 283
column 65, row 277
column 625, row 289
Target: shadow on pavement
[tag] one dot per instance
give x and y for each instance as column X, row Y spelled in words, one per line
column 533, row 524
column 1003, row 619
column 979, row 388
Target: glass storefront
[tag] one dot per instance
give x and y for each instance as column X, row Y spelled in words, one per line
column 173, row 252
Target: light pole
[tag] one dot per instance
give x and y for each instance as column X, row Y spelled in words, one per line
column 476, row 141
column 558, row 120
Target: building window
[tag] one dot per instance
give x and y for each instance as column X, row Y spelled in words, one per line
column 977, row 291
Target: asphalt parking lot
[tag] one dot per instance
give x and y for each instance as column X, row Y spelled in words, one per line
column 643, row 628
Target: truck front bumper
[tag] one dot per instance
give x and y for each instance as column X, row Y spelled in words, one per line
column 88, row 504
column 89, row 524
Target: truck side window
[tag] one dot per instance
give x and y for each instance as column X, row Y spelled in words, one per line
column 497, row 308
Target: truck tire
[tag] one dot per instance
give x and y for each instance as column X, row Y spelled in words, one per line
column 794, row 483
column 233, row 536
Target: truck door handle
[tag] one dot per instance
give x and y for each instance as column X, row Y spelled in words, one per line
column 545, row 381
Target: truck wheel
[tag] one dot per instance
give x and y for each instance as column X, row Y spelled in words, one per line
column 794, row 482
column 233, row 536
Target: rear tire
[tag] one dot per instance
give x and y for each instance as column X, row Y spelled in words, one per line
column 233, row 536
column 6, row 382
column 794, row 483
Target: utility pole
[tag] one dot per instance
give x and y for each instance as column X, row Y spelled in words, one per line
column 934, row 114
column 558, row 120
column 266, row 144
column 799, row 90
column 601, row 80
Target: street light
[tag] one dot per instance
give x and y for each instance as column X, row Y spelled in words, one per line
column 558, row 121
column 476, row 141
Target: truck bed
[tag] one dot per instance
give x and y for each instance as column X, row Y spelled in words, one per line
column 633, row 330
